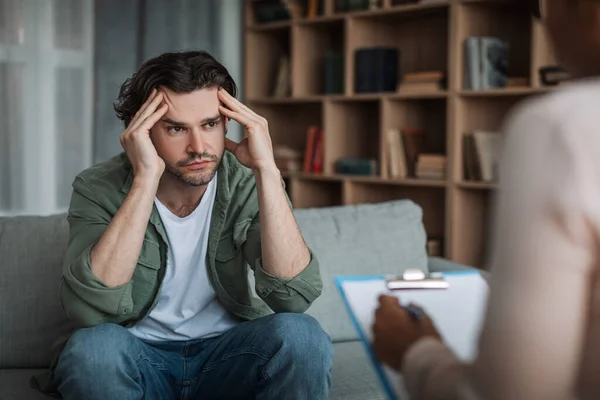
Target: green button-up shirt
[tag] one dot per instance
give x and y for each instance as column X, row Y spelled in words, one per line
column 234, row 241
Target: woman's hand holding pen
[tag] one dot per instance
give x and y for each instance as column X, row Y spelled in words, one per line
column 397, row 328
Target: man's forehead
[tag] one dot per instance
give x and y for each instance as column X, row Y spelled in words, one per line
column 199, row 104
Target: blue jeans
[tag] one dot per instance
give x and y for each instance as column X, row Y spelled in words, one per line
column 281, row 356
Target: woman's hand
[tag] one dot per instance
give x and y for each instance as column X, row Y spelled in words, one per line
column 397, row 328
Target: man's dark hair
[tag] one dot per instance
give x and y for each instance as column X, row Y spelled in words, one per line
column 181, row 72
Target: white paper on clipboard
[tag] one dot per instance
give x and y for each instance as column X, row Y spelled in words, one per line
column 457, row 312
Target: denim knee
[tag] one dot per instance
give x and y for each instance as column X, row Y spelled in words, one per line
column 94, row 349
column 304, row 339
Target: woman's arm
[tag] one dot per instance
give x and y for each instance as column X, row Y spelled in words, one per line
column 543, row 254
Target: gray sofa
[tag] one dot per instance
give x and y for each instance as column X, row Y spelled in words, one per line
column 363, row 239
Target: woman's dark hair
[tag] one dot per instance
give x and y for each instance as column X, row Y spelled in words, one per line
column 181, row 72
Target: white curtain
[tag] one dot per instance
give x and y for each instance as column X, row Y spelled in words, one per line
column 46, row 66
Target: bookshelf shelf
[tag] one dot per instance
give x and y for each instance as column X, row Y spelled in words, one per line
column 285, row 100
column 477, row 185
column 270, row 26
column 419, row 95
column 404, row 10
column 366, row 179
column 429, row 37
column 326, row 19
column 513, row 91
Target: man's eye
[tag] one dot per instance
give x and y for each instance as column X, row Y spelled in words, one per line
column 211, row 125
column 176, row 129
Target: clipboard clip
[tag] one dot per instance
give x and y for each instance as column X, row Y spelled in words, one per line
column 415, row 279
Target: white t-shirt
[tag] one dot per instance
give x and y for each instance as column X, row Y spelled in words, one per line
column 187, row 307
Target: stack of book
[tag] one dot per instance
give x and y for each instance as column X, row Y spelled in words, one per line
column 403, row 149
column 418, row 82
column 431, row 166
column 481, row 153
column 287, row 159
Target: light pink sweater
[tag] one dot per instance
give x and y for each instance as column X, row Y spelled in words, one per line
column 541, row 336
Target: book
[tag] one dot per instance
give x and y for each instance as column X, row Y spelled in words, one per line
column 425, row 76
column 486, row 62
column 356, row 166
column 334, row 72
column 376, row 69
column 287, row 159
column 472, row 168
column 488, row 146
column 309, row 151
column 481, row 155
column 317, row 160
column 282, row 86
column 431, row 166
column 398, row 168
column 414, row 143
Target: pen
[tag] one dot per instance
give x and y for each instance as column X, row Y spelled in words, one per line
column 413, row 312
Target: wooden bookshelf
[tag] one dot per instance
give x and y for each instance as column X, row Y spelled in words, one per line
column 429, row 36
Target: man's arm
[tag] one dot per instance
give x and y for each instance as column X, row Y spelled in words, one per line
column 103, row 250
column 287, row 273
column 115, row 256
column 284, row 252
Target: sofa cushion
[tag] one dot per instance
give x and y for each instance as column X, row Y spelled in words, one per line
column 384, row 238
column 353, row 376
column 14, row 384
column 31, row 253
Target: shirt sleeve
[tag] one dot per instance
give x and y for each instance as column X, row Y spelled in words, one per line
column 543, row 254
column 86, row 299
column 281, row 294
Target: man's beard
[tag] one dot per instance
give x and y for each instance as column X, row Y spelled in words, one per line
column 198, row 178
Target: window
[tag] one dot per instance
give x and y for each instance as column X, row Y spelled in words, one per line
column 46, row 66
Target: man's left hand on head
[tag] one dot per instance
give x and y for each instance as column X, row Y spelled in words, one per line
column 255, row 151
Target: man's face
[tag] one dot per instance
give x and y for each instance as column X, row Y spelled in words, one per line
column 190, row 137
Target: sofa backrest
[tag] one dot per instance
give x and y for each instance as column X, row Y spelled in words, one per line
column 31, row 317
column 352, row 240
column 367, row 239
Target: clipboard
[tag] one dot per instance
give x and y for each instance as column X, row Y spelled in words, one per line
column 457, row 310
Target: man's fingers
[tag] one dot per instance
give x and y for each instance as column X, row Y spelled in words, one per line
column 151, row 97
column 236, row 105
column 151, row 108
column 236, row 116
column 153, row 118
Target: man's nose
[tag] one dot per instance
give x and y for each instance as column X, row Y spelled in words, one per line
column 196, row 144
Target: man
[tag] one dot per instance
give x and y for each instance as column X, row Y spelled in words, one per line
column 541, row 335
column 155, row 274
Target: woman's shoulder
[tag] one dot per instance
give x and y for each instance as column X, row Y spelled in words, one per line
column 569, row 107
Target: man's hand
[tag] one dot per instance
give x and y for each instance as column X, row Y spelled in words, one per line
column 136, row 138
column 395, row 331
column 255, row 151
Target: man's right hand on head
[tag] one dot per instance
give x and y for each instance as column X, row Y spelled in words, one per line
column 136, row 138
